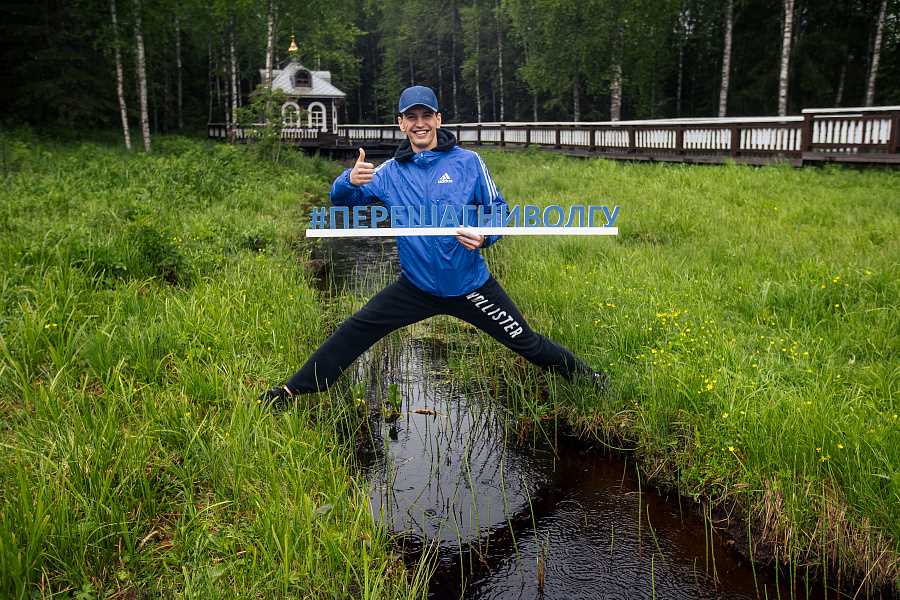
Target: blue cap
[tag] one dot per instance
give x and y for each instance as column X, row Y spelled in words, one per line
column 418, row 94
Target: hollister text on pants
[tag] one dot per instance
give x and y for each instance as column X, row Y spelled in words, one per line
column 509, row 324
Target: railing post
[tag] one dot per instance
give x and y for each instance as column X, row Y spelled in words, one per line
column 632, row 146
column 502, row 134
column 478, row 134
column 527, row 135
column 679, row 139
column 735, row 141
column 894, row 140
column 592, row 144
column 806, row 134
column 557, row 145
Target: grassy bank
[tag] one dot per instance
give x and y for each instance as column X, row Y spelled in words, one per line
column 750, row 319
column 144, row 302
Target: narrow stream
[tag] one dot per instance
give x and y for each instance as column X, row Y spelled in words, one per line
column 511, row 518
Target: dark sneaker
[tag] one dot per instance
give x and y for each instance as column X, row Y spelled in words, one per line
column 277, row 397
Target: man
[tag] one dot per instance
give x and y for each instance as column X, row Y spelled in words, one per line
column 439, row 275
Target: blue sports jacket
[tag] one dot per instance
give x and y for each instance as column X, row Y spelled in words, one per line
column 446, row 176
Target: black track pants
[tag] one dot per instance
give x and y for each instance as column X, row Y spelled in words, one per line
column 402, row 303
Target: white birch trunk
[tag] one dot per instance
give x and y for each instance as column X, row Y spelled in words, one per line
column 876, row 55
column 234, row 82
column 784, row 73
column 726, row 58
column 576, row 101
column 120, row 76
column 142, row 74
column 615, row 93
column 270, row 43
column 270, row 51
column 240, row 99
column 225, row 82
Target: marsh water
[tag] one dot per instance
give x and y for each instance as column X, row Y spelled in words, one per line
column 509, row 516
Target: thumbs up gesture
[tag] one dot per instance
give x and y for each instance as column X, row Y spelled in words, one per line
column 363, row 171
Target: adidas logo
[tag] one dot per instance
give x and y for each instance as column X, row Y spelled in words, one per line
column 445, row 178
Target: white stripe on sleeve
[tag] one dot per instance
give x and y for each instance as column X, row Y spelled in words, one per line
column 492, row 189
column 382, row 165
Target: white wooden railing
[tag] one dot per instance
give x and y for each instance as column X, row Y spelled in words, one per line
column 249, row 132
column 817, row 133
column 844, row 130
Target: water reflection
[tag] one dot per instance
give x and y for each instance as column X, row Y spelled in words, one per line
column 509, row 520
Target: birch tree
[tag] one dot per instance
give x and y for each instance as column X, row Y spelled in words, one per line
column 576, row 99
column 270, row 42
column 681, row 31
column 726, row 58
column 270, row 49
column 232, row 56
column 615, row 81
column 784, row 73
column 876, row 55
column 120, row 78
column 225, row 82
column 141, row 67
column 615, row 91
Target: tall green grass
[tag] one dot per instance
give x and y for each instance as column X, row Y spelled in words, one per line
column 145, row 300
column 750, row 321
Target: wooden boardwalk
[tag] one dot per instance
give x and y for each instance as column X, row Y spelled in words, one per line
column 844, row 135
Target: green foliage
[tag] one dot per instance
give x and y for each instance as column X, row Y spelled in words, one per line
column 750, row 321
column 159, row 252
column 393, row 403
column 264, row 114
column 373, row 50
column 145, row 301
